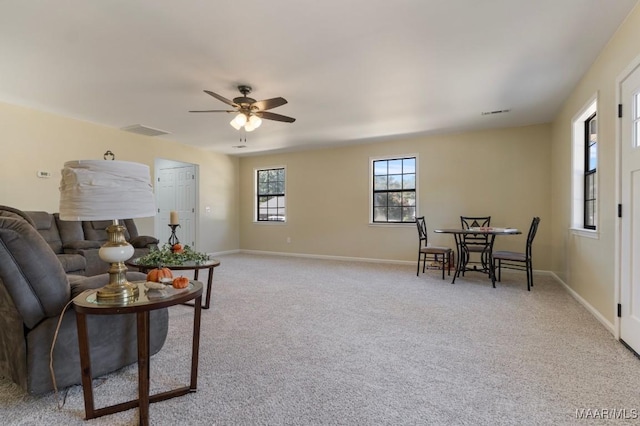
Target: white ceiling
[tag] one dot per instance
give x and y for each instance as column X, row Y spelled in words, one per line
column 352, row 70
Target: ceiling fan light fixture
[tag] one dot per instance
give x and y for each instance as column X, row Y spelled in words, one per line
column 240, row 119
column 235, row 124
column 250, row 112
column 255, row 121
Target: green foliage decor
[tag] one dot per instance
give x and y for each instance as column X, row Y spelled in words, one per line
column 167, row 257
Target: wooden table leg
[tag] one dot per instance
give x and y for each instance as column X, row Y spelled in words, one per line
column 207, row 300
column 195, row 348
column 85, row 364
column 143, row 366
column 209, row 282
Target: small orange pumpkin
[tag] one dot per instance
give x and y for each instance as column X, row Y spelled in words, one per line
column 157, row 274
column 177, row 248
column 181, row 282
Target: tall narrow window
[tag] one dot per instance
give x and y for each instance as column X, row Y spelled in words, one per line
column 393, row 190
column 590, row 167
column 270, row 195
column 584, row 179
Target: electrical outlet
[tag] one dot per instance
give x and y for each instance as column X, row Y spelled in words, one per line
column 288, row 240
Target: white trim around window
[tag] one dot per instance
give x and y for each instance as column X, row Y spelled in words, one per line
column 283, row 209
column 578, row 171
column 370, row 207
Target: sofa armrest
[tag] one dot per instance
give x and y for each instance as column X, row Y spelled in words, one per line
column 143, row 241
column 74, row 246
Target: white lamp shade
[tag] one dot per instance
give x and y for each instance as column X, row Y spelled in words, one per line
column 105, row 190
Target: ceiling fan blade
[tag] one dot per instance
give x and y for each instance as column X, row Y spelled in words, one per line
column 215, row 110
column 221, row 98
column 269, row 103
column 277, row 117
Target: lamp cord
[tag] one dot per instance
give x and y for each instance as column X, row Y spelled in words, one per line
column 53, row 344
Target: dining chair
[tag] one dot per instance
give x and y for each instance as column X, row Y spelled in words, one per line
column 475, row 243
column 517, row 260
column 425, row 250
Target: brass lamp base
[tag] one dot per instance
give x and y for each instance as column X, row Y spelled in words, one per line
column 116, row 251
column 119, row 290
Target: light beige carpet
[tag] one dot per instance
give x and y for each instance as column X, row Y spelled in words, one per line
column 304, row 342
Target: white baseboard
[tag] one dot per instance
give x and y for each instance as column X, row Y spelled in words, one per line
column 608, row 325
column 220, row 253
column 327, row 257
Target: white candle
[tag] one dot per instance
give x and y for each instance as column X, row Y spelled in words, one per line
column 173, row 217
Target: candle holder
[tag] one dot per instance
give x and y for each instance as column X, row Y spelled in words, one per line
column 173, row 239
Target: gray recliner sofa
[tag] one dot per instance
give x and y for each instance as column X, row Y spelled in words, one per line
column 96, row 231
column 77, row 243
column 45, row 224
column 34, row 290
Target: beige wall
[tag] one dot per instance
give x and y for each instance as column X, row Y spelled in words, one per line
column 504, row 173
column 33, row 140
column 588, row 265
column 511, row 174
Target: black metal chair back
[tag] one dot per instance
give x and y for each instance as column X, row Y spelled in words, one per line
column 533, row 229
column 422, row 231
column 469, row 222
column 518, row 260
column 442, row 255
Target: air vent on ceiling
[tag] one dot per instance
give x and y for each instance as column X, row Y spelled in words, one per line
column 499, row 111
column 144, row 130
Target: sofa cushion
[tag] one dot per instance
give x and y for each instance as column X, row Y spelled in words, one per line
column 73, row 263
column 6, row 211
column 31, row 272
column 73, row 246
column 70, row 230
column 143, row 241
column 46, row 226
column 96, row 230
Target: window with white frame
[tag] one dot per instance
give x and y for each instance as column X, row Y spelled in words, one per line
column 590, row 169
column 393, row 189
column 270, row 195
column 585, row 167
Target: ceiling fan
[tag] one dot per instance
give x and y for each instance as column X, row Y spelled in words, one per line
column 249, row 111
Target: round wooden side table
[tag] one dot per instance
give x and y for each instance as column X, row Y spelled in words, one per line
column 86, row 303
column 189, row 265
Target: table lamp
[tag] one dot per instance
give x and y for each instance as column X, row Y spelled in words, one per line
column 108, row 190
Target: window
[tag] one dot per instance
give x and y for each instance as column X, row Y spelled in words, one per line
column 590, row 165
column 270, row 195
column 584, row 204
column 393, row 186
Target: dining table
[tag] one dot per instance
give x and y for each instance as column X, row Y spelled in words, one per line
column 461, row 259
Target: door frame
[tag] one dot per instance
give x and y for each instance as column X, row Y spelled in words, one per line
column 629, row 69
column 164, row 163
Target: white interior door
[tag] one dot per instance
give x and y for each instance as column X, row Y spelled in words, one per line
column 176, row 191
column 186, row 204
column 630, row 232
